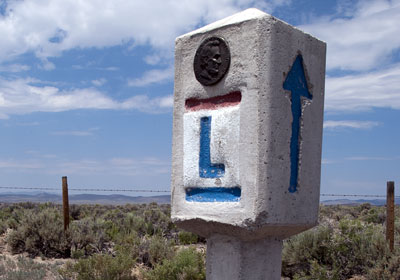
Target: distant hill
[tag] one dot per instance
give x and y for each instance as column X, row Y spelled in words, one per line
column 377, row 202
column 114, row 199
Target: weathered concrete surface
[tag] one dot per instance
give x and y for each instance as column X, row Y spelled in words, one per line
column 231, row 258
column 251, row 139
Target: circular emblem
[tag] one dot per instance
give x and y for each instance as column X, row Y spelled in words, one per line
column 211, row 61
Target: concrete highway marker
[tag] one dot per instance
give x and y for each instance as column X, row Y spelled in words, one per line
column 247, row 136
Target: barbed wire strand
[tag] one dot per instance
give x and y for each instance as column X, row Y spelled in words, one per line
column 162, row 191
column 86, row 189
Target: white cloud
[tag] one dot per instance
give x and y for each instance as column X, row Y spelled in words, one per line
column 359, row 158
column 116, row 166
column 39, row 154
column 46, row 64
column 368, row 158
column 99, row 82
column 153, row 59
column 88, row 132
column 49, row 27
column 111, row 166
column 27, row 124
column 111, row 68
column 56, row 165
column 14, row 68
column 89, row 66
column 132, row 166
column 350, row 124
column 145, row 104
column 167, row 101
column 362, row 41
column 364, row 91
column 22, row 96
column 18, row 165
column 152, row 77
column 327, row 161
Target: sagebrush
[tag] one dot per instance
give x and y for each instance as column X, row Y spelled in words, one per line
column 140, row 242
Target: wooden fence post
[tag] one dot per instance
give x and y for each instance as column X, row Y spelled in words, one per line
column 65, row 202
column 390, row 214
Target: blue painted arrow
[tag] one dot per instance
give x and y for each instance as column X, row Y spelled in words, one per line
column 296, row 83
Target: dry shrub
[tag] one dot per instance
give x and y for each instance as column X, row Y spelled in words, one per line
column 40, row 233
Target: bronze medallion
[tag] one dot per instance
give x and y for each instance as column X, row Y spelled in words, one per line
column 211, row 61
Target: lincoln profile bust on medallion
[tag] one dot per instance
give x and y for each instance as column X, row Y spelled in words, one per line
column 211, row 61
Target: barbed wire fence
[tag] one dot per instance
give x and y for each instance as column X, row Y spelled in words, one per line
column 390, row 199
column 142, row 190
column 88, row 189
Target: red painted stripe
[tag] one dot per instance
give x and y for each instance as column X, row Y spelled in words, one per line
column 230, row 99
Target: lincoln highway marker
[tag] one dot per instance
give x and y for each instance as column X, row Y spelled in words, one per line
column 247, row 135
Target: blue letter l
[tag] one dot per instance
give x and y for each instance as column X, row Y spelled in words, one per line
column 206, row 168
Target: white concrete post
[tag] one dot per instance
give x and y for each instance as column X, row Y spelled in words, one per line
column 247, row 134
column 232, row 258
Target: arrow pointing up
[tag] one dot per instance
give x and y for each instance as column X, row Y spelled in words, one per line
column 296, row 83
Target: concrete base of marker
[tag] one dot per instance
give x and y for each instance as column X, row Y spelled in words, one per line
column 230, row 258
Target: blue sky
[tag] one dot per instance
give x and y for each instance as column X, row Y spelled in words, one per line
column 86, row 89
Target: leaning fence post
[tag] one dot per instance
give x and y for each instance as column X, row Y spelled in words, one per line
column 65, row 202
column 390, row 214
